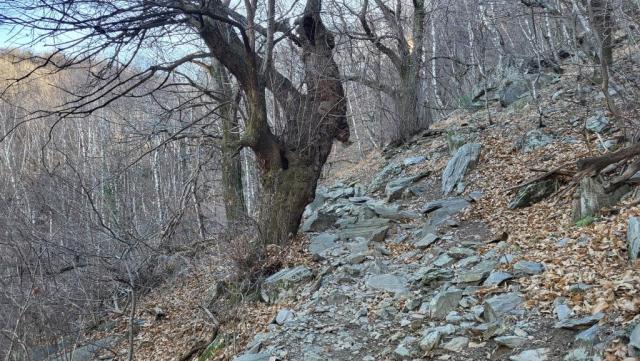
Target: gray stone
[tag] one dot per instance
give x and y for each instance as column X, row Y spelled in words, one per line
column 374, row 230
column 460, row 252
column 321, row 243
column 396, row 187
column 388, row 283
column 496, row 278
column 435, row 274
column 456, row 344
column 579, row 288
column 502, row 304
column 512, row 91
column 319, row 221
column 402, row 351
column 477, row 273
column 634, row 337
column 578, row 354
column 426, row 241
column 464, row 159
column 414, row 160
column 528, row 268
column 262, row 356
column 533, row 193
column 381, row 178
column 444, row 302
column 593, row 197
column 633, row 238
column 440, row 211
column 560, row 308
column 539, row 354
column 511, row 341
column 579, row 323
column 534, row 139
column 597, row 123
column 283, row 283
column 284, row 315
column 443, row 260
column 429, row 341
column 391, row 211
column 589, row 336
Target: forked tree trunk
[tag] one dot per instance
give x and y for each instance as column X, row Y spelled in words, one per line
column 290, row 163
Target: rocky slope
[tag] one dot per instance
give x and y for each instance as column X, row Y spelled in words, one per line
column 432, row 251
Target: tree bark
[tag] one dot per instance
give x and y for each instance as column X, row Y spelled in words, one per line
column 233, row 192
column 290, row 163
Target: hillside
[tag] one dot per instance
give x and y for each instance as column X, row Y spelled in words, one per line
column 388, row 267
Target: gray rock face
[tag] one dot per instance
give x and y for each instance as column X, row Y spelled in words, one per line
column 262, row 356
column 597, row 123
column 456, row 344
column 539, row 354
column 528, row 268
column 394, row 189
column 589, row 336
column 477, row 273
column 284, row 315
column 426, row 241
column 579, row 323
column 634, row 337
column 533, row 193
column 381, row 178
column 391, row 211
column 430, row 340
column 502, row 304
column 513, row 91
column 464, row 159
column 633, row 238
column 388, row 283
column 440, row 211
column 534, row 139
column 444, row 302
column 321, row 243
column 496, row 278
column 593, row 198
column 414, row 160
column 319, row 221
column 511, row 341
column 560, row 309
column 283, row 284
column 374, row 230
column 579, row 354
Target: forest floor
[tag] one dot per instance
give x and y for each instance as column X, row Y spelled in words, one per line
column 432, row 276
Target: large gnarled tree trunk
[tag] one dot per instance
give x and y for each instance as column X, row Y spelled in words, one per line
column 290, row 163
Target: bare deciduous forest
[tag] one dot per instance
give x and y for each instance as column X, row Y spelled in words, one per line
column 251, row 149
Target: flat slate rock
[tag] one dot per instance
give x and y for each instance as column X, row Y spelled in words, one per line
column 511, row 341
column 633, row 238
column 528, row 268
column 444, row 302
column 495, row 278
column 321, row 243
column 634, row 337
column 388, row 282
column 262, row 356
column 539, row 354
column 579, row 323
column 426, row 241
column 456, row 344
column 461, row 162
column 442, row 210
column 283, row 283
column 502, row 304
